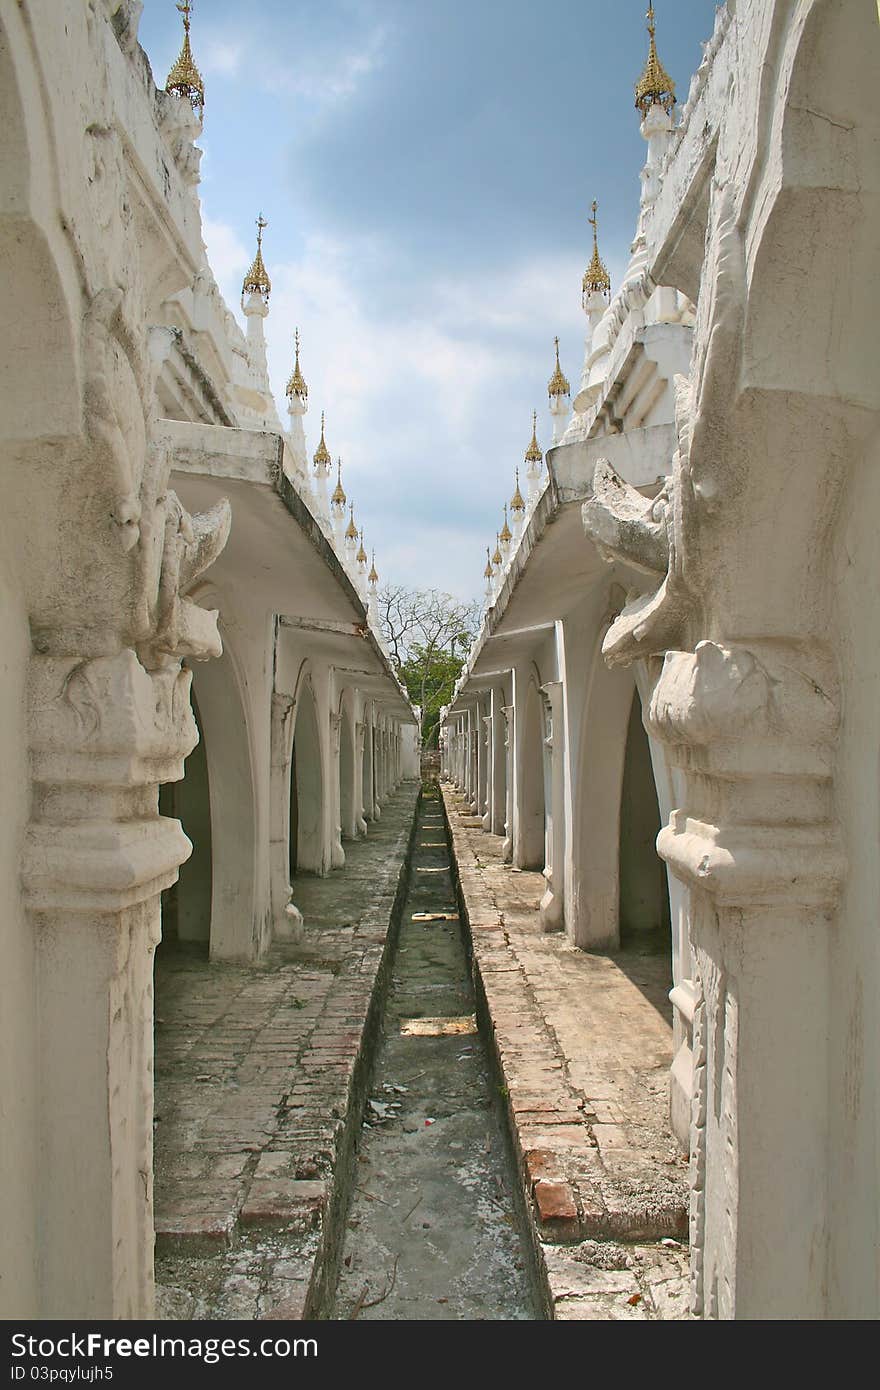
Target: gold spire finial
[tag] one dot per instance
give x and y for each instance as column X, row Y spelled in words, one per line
column 533, row 452
column 351, row 531
column 322, row 453
column 338, row 492
column 516, row 502
column 655, row 87
column 496, row 558
column 504, row 534
column 257, row 279
column 362, row 554
column 184, row 79
column 296, row 386
column 596, row 277
column 372, row 577
column 487, row 572
column 558, row 384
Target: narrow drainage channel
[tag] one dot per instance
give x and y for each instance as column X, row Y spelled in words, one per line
column 433, row 1230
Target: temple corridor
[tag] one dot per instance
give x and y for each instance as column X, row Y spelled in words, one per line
column 434, row 1230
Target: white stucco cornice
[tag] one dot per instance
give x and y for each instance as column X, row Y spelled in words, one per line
column 277, row 548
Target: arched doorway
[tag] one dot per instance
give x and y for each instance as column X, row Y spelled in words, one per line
column 346, row 774
column 306, row 789
column 236, row 925
column 643, row 900
column 293, row 822
column 531, row 828
column 367, row 769
column 186, row 906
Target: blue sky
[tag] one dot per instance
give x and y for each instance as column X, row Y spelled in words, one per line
column 426, row 170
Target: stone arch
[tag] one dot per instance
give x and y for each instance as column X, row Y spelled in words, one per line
column 218, row 685
column 531, row 843
column 307, row 850
column 41, row 297
column 827, row 179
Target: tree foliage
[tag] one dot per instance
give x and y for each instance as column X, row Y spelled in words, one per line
column 428, row 634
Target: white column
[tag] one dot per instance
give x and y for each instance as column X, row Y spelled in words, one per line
column 103, row 734
column 554, row 801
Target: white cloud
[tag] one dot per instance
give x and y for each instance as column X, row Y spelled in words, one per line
column 325, row 78
column 322, row 77
column 221, row 56
column 429, row 412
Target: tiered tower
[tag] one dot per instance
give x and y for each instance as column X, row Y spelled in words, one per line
column 534, row 459
column 297, row 406
column 255, row 291
column 559, row 393
column 323, row 464
column 337, row 511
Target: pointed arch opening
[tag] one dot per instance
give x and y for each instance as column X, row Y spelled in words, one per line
column 367, row 769
column 346, row 773
column 306, row 789
column 217, row 691
column 532, row 826
column 643, row 900
column 186, row 906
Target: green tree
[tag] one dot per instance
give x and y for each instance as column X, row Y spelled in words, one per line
column 428, row 634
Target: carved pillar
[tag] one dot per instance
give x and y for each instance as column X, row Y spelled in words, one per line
column 474, row 759
column 498, row 787
column 488, row 745
column 752, row 727
column 286, row 916
column 337, row 853
column 369, row 779
column 377, row 768
column 474, row 769
column 359, row 791
column 380, row 764
column 463, row 753
column 554, row 801
column 104, row 733
column 509, row 713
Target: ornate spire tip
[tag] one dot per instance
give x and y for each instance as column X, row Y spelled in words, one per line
column 596, row 277
column 296, row 385
column 558, row 385
column 257, row 279
column 655, row 87
column 184, row 79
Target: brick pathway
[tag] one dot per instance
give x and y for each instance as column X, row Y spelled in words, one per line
column 260, row 1077
column 584, row 1046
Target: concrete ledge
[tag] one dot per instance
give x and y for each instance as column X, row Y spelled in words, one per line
column 603, row 1180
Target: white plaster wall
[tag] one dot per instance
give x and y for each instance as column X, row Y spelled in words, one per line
column 853, row 1282
column 409, row 751
column 234, row 696
column 18, row 1042
column 579, row 641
